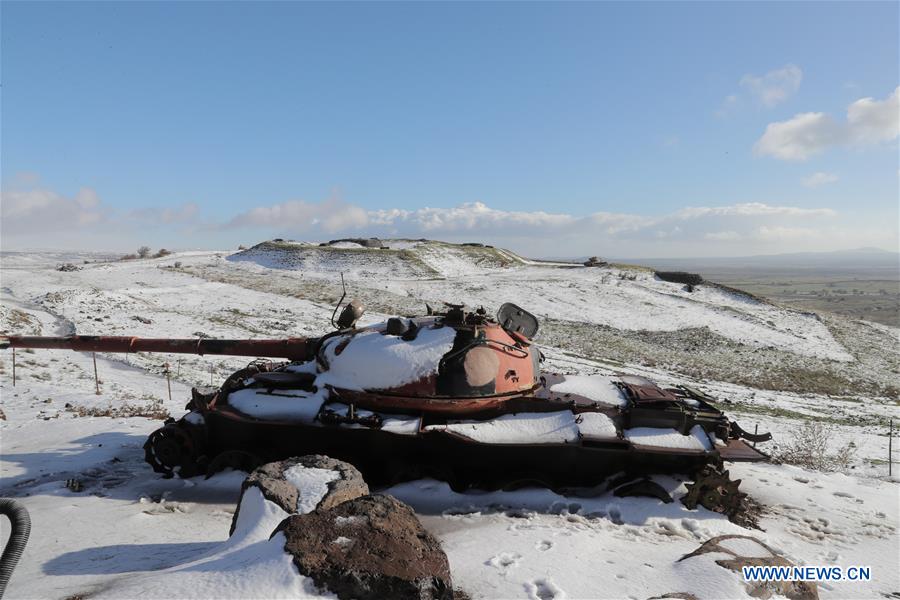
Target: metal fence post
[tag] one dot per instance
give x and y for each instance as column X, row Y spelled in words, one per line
column 169, row 381
column 96, row 377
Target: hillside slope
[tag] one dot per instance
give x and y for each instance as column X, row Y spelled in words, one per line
column 615, row 312
column 402, row 259
column 529, row 543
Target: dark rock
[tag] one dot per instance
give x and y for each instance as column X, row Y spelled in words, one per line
column 794, row 590
column 369, row 548
column 691, row 279
column 269, row 478
column 141, row 319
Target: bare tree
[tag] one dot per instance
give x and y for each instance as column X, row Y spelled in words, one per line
column 143, row 251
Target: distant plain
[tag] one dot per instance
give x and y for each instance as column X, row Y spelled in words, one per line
column 861, row 284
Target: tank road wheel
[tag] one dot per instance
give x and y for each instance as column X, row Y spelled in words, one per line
column 237, row 460
column 713, row 489
column 170, row 447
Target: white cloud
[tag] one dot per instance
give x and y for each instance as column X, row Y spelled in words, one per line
column 872, row 121
column 728, row 105
column 83, row 221
column 767, row 90
column 775, row 86
column 868, row 122
column 45, row 210
column 297, row 215
column 752, row 222
column 33, row 216
column 670, row 141
column 819, row 178
column 723, row 236
column 780, row 233
column 800, row 137
column 185, row 213
column 753, row 209
column 471, row 216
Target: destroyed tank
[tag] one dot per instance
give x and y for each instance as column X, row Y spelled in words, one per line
column 456, row 395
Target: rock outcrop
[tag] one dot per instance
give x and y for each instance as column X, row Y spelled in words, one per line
column 346, row 484
column 369, row 548
column 350, row 543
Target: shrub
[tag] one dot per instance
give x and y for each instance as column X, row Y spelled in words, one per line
column 162, row 252
column 143, row 251
column 810, row 447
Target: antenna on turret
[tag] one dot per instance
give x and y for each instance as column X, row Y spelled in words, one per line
column 344, row 295
column 351, row 313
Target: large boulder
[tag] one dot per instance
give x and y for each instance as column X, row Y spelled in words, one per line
column 747, row 551
column 304, row 484
column 368, row 548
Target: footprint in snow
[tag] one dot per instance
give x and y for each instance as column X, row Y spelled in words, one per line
column 615, row 516
column 544, row 545
column 543, row 589
column 505, row 561
column 564, row 508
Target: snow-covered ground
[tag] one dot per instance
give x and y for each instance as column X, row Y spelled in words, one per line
column 127, row 523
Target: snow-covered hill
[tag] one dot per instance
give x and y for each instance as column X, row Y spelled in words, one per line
column 778, row 367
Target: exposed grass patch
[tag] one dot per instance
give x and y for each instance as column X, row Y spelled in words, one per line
column 784, row 413
column 152, row 409
column 702, row 354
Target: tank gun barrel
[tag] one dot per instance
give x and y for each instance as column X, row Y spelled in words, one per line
column 289, row 348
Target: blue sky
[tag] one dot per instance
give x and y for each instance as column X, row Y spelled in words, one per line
column 633, row 129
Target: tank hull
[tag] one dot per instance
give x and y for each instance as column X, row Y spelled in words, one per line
column 648, row 430
column 385, row 458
